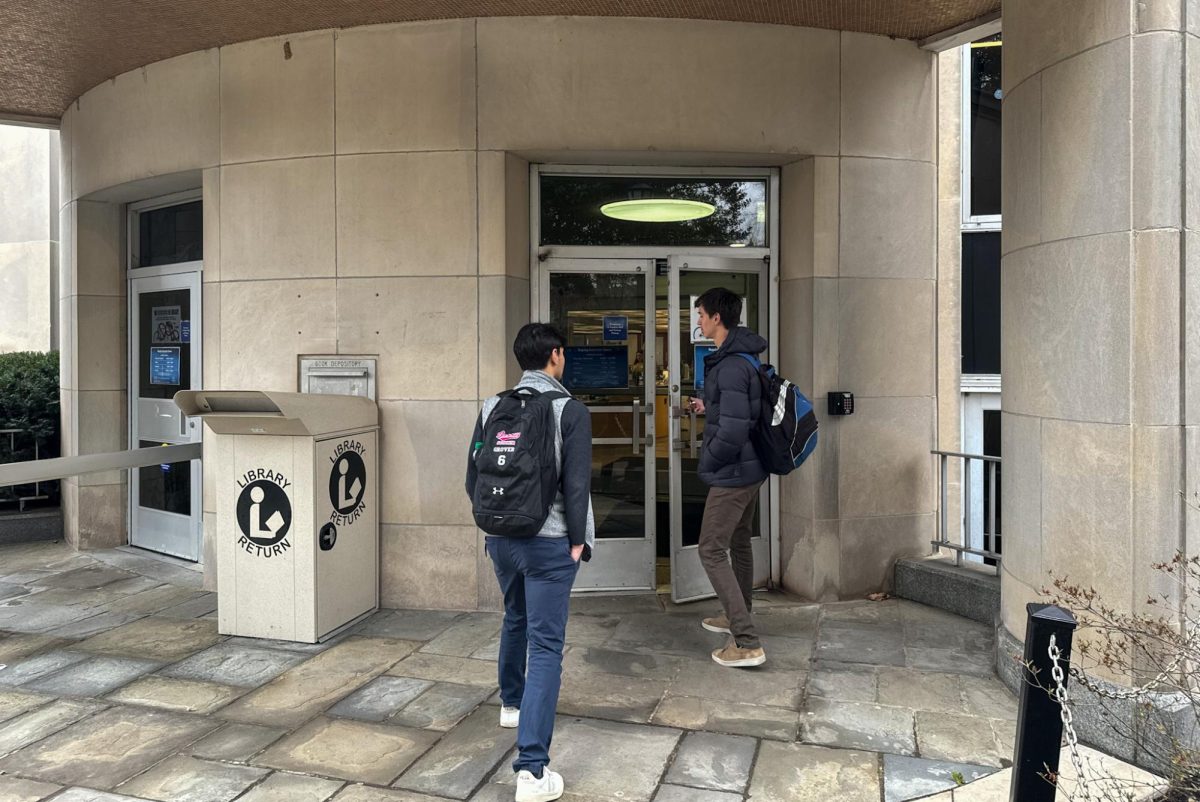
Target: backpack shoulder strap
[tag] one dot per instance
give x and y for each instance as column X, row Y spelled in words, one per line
column 753, row 360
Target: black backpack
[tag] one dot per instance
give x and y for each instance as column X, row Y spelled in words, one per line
column 785, row 433
column 517, row 468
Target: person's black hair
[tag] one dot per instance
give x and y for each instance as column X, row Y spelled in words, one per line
column 534, row 344
column 720, row 301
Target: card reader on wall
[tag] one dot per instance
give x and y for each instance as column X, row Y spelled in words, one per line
column 841, row 403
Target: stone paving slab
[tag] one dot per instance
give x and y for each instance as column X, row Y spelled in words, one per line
column 11, row 591
column 17, row 646
column 93, row 625
column 585, row 660
column 459, row 670
column 92, row 576
column 37, row 724
column 13, row 703
column 442, row 706
column 906, row 778
column 659, row 634
column 703, row 677
column 163, row 639
column 604, row 760
column 14, row 789
column 960, row 739
column 922, row 690
column 230, row 664
column 854, row 683
column 678, row 793
column 352, row 750
column 461, row 760
column 309, row 688
column 465, row 635
column 236, row 742
column 19, row 615
column 606, row 604
column 366, row 793
column 989, row 698
column 422, row 625
column 873, row 644
column 42, row 665
column 380, row 698
column 287, row 645
column 590, row 630
column 888, row 612
column 962, row 661
column 801, row 773
column 186, row 779
column 155, row 600
column 693, row 713
column 108, row 748
column 197, row 607
column 859, row 725
column 144, row 565
column 178, row 695
column 611, row 697
column 715, row 762
column 284, row 787
column 91, row 795
column 94, row 677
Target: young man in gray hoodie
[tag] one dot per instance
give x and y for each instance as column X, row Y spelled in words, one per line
column 536, row 574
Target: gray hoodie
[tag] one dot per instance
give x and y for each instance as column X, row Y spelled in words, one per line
column 571, row 513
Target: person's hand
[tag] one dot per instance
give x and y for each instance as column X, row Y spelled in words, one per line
column 696, row 405
column 577, row 552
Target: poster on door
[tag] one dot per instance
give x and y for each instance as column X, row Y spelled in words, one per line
column 697, row 334
column 166, row 325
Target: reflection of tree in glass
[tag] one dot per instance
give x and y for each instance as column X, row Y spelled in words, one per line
column 571, row 211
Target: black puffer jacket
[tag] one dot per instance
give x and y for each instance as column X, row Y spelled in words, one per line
column 732, row 399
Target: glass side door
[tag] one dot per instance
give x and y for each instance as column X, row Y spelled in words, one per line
column 164, row 336
column 605, row 309
column 689, row 277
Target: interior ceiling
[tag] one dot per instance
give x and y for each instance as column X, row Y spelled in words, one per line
column 52, row 51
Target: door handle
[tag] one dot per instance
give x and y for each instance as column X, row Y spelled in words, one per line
column 637, row 426
column 692, row 432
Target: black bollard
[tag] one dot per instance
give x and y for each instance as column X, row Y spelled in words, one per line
column 1039, row 721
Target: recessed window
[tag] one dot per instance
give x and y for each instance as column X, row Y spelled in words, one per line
column 170, row 235
column 981, row 303
column 653, row 210
column 981, row 189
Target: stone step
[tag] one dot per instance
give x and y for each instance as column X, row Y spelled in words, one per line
column 968, row 590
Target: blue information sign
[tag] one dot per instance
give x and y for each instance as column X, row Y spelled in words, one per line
column 596, row 367
column 616, row 328
column 164, row 366
column 185, row 331
column 701, row 351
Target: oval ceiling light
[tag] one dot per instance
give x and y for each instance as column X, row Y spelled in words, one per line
column 657, row 210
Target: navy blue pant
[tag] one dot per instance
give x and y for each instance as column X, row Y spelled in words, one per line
column 535, row 575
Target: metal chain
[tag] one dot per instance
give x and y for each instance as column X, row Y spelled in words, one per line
column 1139, row 691
column 1060, row 695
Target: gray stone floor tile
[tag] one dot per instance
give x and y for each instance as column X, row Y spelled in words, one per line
column 753, row 686
column 163, row 639
column 366, row 793
column 989, row 698
column 284, row 645
column 604, row 760
column 957, row 661
column 380, row 698
column 921, row 690
column 351, row 750
column 197, row 607
column 9, row 590
column 488, row 651
column 230, row 664
column 37, row 724
column 590, row 630
column 19, row 615
column 135, row 584
column 960, row 739
column 678, row 793
column 26, row 577
column 790, row 622
column 787, row 654
column 422, row 625
column 284, row 787
column 465, row 635
column 237, row 742
column 849, row 684
column 664, row 635
column 33, row 668
column 734, row 718
column 906, row 778
column 94, row 677
column 186, row 779
column 438, row 667
column 179, row 695
column 611, row 697
column 643, row 665
column 93, row 625
column 887, row 613
column 15, row 646
column 90, row 795
column 143, row 565
column 442, row 706
column 92, row 576
column 799, row 773
column 16, row 702
column 873, row 644
column 13, row 789
column 858, row 725
column 605, row 604
column 107, row 748
column 715, row 762
column 461, row 760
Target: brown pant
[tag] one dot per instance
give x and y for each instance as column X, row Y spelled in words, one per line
column 724, row 539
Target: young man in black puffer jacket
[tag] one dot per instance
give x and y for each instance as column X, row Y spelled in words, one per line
column 731, row 469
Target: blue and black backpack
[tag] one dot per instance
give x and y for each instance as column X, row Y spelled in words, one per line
column 786, row 430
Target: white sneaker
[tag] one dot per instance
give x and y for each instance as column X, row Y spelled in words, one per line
column 531, row 789
column 510, row 717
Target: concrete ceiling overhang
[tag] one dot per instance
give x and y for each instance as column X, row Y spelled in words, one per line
column 52, row 51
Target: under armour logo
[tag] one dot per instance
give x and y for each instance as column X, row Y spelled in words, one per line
column 497, row 491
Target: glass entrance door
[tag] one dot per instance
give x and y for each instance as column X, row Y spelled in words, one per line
column 606, row 310
column 164, row 336
column 688, row 277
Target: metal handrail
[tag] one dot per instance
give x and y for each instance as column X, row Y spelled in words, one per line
column 45, row 470
column 991, row 464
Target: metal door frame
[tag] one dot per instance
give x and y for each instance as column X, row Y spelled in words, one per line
column 633, row 562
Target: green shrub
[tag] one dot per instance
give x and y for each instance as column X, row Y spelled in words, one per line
column 29, row 401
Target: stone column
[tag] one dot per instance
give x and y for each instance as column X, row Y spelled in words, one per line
column 1100, row 374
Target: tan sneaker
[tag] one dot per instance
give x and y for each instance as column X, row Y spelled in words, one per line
column 718, row 624
column 734, row 656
